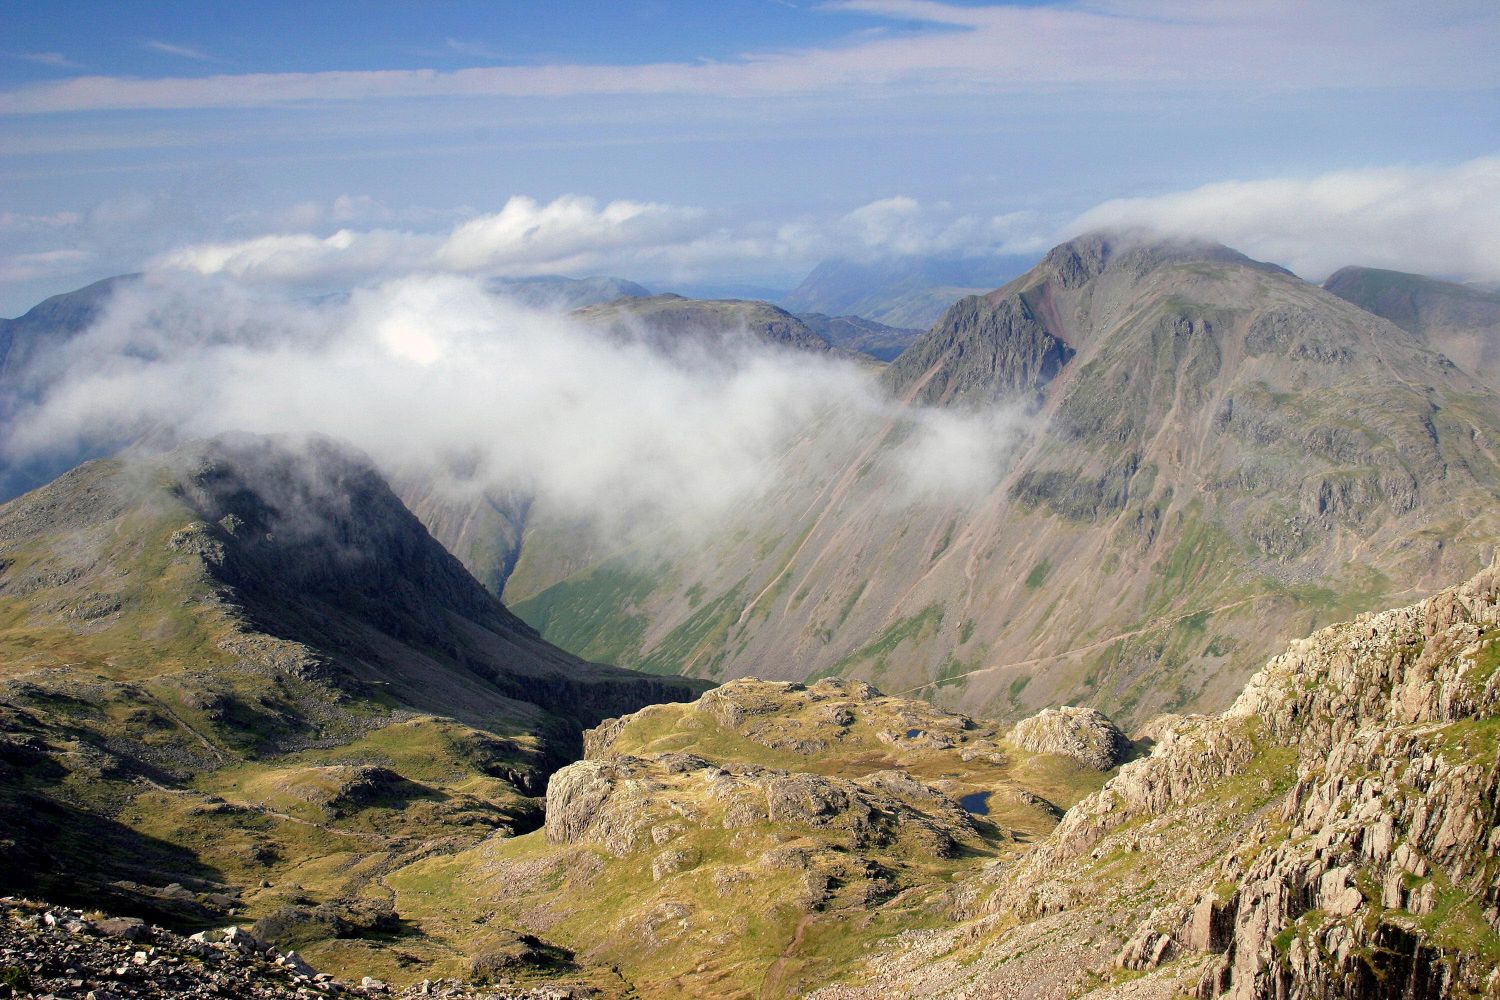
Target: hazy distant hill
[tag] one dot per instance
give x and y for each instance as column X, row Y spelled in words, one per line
column 909, row 292
column 855, row 333
column 672, row 322
column 1460, row 320
column 554, row 291
column 24, row 345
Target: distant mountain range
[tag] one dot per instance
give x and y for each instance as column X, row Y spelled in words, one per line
column 904, row 292
column 1213, row 445
column 554, row 291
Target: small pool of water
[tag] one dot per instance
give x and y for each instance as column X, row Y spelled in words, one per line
column 977, row 803
column 912, row 734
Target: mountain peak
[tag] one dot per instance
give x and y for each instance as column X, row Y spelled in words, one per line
column 1138, row 251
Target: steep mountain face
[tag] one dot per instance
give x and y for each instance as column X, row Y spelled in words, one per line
column 554, row 291
column 243, row 679
column 1217, row 457
column 900, row 291
column 1460, row 321
column 1331, row 835
column 981, row 353
column 855, row 333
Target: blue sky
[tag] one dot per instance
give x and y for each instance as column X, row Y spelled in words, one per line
column 739, row 140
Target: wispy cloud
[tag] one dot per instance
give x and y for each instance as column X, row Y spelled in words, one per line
column 1280, row 45
column 1435, row 219
column 54, row 59
column 476, row 50
column 181, row 51
column 49, row 264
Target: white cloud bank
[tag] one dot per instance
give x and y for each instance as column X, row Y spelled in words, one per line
column 575, row 234
column 1431, row 220
column 1275, row 43
column 430, row 372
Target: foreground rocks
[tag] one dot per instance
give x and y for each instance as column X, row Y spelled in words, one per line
column 69, row 955
column 1333, row 836
column 1085, row 734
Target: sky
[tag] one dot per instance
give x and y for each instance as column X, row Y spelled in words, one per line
column 325, row 145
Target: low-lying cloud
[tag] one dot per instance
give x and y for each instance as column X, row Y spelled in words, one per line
column 1432, row 220
column 432, row 372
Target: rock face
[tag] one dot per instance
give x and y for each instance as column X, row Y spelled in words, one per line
column 1084, row 734
column 1332, row 835
column 980, row 353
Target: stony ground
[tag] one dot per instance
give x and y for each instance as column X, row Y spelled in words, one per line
column 53, row 952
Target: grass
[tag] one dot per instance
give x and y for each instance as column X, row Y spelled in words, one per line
column 592, row 615
column 912, row 628
column 700, row 642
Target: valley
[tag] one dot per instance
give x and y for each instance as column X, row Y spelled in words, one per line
column 1041, row 719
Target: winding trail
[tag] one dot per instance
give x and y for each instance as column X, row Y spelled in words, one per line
column 1107, row 640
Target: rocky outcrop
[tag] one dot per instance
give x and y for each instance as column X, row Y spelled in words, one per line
column 1378, row 868
column 1085, row 734
column 623, row 804
column 980, row 352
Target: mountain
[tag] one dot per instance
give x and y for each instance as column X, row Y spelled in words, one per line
column 1211, row 457
column 1327, row 836
column 25, row 344
column 670, row 323
column 24, row 338
column 242, row 679
column 1461, row 321
column 855, row 333
column 907, row 291
column 554, row 291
